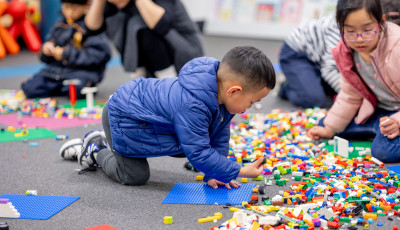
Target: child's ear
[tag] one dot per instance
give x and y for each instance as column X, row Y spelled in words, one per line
column 233, row 90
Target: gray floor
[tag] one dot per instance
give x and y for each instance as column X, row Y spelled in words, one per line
column 104, row 201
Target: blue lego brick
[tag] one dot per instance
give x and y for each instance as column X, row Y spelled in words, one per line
column 377, row 181
column 198, row 193
column 39, row 207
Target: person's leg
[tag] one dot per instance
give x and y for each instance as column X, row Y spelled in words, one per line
column 356, row 132
column 126, row 170
column 385, row 149
column 154, row 52
column 366, row 131
column 40, row 86
column 303, row 85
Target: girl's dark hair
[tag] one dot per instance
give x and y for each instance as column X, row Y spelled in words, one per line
column 345, row 7
column 392, row 10
column 253, row 65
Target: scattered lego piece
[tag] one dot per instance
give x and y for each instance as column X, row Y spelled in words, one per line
column 7, row 210
column 341, row 146
column 168, row 220
column 31, row 192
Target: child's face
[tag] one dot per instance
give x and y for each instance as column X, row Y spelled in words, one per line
column 238, row 101
column 73, row 12
column 119, row 3
column 360, row 22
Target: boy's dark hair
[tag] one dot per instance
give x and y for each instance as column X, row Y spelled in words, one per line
column 345, row 7
column 79, row 2
column 392, row 10
column 253, row 64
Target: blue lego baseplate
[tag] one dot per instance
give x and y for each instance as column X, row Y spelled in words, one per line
column 39, row 207
column 199, row 193
column 394, row 168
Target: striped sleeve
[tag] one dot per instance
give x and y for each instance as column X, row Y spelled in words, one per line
column 315, row 39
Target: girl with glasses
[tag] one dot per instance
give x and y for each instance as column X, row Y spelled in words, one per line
column 368, row 59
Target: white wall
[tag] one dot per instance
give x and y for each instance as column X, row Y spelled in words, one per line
column 197, row 9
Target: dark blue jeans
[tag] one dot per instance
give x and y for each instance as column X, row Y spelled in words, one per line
column 384, row 149
column 304, row 86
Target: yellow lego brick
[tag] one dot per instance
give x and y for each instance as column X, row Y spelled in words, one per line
column 293, row 168
column 255, row 226
column 233, row 209
column 168, row 220
column 370, row 215
column 286, row 194
column 199, row 178
column 244, row 180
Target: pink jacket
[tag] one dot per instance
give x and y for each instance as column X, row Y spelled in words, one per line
column 355, row 99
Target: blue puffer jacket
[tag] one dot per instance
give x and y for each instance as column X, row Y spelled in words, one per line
column 150, row 117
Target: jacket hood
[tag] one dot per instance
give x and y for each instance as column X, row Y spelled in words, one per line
column 391, row 38
column 199, row 76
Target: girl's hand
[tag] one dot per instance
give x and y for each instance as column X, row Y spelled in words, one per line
column 389, row 127
column 319, row 132
column 252, row 169
column 215, row 183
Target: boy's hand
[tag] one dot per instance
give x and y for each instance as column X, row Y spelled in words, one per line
column 48, row 48
column 319, row 132
column 252, row 169
column 57, row 53
column 215, row 183
column 389, row 127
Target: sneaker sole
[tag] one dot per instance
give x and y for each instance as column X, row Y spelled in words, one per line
column 68, row 144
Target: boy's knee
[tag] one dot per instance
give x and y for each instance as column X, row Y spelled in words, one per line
column 137, row 180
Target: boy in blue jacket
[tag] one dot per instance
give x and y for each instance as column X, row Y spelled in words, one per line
column 69, row 54
column 190, row 114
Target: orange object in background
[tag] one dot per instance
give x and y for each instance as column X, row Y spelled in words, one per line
column 23, row 26
column 8, row 44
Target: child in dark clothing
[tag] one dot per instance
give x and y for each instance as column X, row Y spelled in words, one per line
column 69, row 54
column 190, row 114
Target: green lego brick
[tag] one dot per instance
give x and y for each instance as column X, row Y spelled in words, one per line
column 259, row 178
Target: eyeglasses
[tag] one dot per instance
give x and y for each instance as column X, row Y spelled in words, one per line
column 366, row 36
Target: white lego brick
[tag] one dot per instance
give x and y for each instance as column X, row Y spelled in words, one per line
column 8, row 211
column 241, row 217
column 297, row 173
column 341, row 146
column 271, row 220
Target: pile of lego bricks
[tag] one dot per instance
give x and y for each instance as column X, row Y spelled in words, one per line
column 45, row 107
column 327, row 191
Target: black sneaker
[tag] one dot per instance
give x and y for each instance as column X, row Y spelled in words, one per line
column 93, row 142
